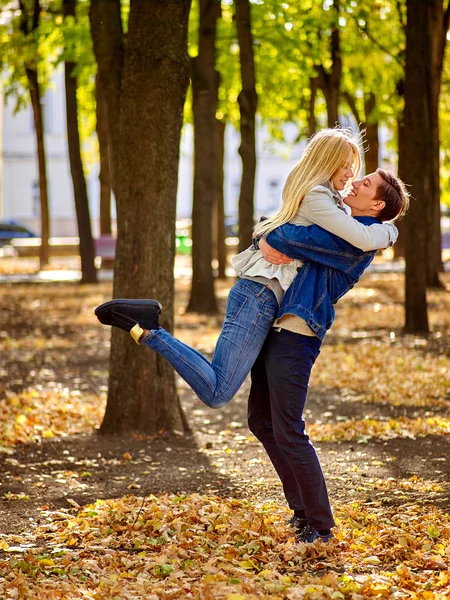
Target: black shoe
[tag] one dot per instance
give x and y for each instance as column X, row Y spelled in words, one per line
column 130, row 314
column 298, row 523
column 308, row 535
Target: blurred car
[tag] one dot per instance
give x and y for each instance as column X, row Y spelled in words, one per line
column 11, row 230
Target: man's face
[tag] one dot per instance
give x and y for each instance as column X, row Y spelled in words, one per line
column 361, row 196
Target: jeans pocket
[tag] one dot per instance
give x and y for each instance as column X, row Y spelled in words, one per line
column 235, row 304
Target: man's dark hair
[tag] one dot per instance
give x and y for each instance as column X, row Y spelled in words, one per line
column 393, row 192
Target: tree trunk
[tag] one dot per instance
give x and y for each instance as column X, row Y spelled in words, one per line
column 312, row 122
column 29, row 23
column 145, row 114
column 438, row 27
column 87, row 254
column 416, row 171
column 371, row 127
column 399, row 246
column 104, row 175
column 44, row 252
column 221, row 248
column 330, row 83
column 248, row 101
column 204, row 102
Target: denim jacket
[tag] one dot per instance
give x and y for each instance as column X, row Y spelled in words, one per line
column 331, row 268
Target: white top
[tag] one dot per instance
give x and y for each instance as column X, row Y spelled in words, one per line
column 319, row 207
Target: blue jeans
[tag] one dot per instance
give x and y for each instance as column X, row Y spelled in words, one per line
column 250, row 312
column 280, row 378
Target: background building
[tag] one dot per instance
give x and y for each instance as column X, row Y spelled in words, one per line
column 19, row 190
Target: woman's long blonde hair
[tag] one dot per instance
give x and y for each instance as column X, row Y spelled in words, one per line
column 326, row 152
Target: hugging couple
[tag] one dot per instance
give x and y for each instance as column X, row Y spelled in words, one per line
column 301, row 261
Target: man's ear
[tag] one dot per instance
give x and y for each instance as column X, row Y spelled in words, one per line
column 378, row 205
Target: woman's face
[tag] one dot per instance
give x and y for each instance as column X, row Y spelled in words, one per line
column 343, row 174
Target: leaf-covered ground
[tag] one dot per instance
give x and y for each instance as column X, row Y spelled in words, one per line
column 202, row 516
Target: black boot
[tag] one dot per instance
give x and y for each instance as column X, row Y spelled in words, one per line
column 129, row 315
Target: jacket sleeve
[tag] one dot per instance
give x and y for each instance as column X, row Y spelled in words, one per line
column 321, row 210
column 315, row 244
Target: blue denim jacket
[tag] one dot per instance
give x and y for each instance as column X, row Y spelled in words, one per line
column 331, row 267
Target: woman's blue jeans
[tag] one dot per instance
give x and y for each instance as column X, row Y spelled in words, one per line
column 250, row 311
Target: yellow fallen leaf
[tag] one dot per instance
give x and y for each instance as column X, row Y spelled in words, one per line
column 372, row 560
column 46, row 562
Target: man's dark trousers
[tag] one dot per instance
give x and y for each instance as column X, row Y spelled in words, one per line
column 280, row 378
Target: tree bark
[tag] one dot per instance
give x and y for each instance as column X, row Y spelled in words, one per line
column 371, row 127
column 205, row 83
column 312, row 121
column 416, row 171
column 399, row 246
column 219, row 206
column 104, row 175
column 438, row 27
column 330, row 82
column 29, row 24
column 87, row 254
column 145, row 90
column 248, row 101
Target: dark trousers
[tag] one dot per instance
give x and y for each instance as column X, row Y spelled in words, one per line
column 280, row 378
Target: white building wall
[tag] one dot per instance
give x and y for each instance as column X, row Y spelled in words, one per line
column 19, row 174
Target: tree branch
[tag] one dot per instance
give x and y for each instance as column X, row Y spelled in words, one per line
column 352, row 105
column 365, row 30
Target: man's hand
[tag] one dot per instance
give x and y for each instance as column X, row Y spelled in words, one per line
column 272, row 255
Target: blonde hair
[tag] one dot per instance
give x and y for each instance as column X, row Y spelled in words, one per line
column 326, row 152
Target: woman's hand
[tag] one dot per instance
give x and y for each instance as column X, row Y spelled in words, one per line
column 272, row 255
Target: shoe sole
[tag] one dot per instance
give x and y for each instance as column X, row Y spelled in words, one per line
column 125, row 302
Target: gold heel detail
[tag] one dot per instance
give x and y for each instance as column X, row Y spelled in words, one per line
column 136, row 332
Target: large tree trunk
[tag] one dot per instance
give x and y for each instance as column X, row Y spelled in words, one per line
column 416, row 171
column 248, row 100
column 104, row 175
column 219, row 205
column 29, row 23
column 205, row 82
column 145, row 114
column 87, row 255
column 330, row 82
column 437, row 31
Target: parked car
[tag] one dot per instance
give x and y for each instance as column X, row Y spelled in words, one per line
column 10, row 230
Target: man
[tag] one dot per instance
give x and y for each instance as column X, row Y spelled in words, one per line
column 281, row 373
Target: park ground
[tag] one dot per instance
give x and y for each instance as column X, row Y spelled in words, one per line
column 202, row 515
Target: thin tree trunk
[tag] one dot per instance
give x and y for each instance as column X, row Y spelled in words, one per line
column 399, row 246
column 204, row 102
column 330, row 82
column 44, row 252
column 371, row 127
column 29, row 24
column 87, row 255
column 145, row 114
column 104, row 175
column 248, row 101
column 221, row 248
column 416, row 171
column 312, row 121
